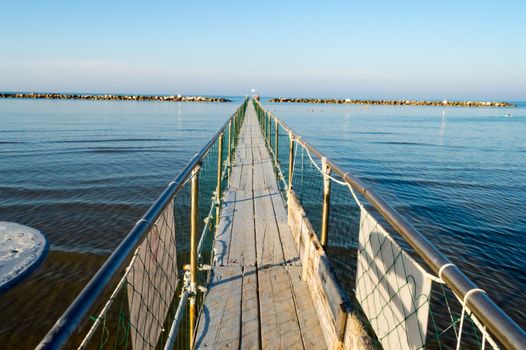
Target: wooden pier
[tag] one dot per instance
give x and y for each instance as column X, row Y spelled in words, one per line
column 270, row 282
column 256, row 297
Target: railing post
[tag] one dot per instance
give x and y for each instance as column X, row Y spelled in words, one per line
column 276, row 141
column 237, row 122
column 326, row 202
column 269, row 128
column 219, row 176
column 229, row 151
column 265, row 123
column 234, row 127
column 194, row 211
column 291, row 159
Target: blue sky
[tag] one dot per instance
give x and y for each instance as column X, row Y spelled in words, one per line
column 365, row 49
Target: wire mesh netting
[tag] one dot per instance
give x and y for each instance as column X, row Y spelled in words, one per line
column 283, row 154
column 139, row 307
column 307, row 183
column 143, row 305
column 399, row 302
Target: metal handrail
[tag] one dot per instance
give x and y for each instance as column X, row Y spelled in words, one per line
column 59, row 334
column 503, row 327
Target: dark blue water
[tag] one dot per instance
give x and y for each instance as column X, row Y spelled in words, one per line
column 457, row 174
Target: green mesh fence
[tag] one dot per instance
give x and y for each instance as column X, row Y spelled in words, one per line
column 139, row 307
column 307, row 183
column 376, row 269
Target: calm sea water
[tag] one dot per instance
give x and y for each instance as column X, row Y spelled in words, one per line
column 457, row 174
column 83, row 172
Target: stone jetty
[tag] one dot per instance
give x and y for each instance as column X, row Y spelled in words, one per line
column 171, row 98
column 394, row 102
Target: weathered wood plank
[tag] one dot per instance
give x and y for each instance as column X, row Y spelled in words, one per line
column 279, row 324
column 224, row 229
column 235, row 176
column 270, row 250
column 259, row 180
column 290, row 252
column 289, row 247
column 250, row 310
column 308, row 320
column 220, row 319
column 278, row 244
column 242, row 245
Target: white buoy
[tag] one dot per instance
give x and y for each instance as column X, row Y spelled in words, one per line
column 22, row 248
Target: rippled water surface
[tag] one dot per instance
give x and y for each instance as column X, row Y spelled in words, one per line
column 457, row 174
column 83, row 172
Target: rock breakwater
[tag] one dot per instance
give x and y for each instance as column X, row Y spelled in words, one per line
column 57, row 96
column 394, row 102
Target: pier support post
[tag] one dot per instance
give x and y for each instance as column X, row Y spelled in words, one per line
column 326, row 202
column 194, row 211
column 291, row 158
column 229, row 153
column 276, row 141
column 219, row 176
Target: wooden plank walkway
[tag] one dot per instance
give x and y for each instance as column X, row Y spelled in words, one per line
column 256, row 299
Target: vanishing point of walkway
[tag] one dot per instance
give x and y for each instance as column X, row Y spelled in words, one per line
column 256, row 298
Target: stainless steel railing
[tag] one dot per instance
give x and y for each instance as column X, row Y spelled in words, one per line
column 490, row 315
column 76, row 314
